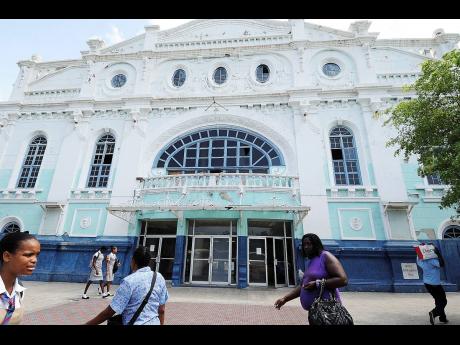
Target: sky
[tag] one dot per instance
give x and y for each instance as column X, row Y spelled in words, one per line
column 62, row 39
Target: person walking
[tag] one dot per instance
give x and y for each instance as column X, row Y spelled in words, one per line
column 432, row 279
column 18, row 256
column 96, row 271
column 111, row 261
column 322, row 265
column 132, row 291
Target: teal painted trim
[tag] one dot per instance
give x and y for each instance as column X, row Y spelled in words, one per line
column 370, row 169
column 211, row 214
column 158, row 215
column 242, row 225
column 377, row 220
column 410, row 175
column 44, row 182
column 76, row 212
column 298, row 229
column 5, row 175
column 31, row 215
column 268, row 215
column 430, row 216
column 182, row 227
column 224, row 198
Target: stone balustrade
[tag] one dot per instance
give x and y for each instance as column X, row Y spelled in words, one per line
column 220, row 182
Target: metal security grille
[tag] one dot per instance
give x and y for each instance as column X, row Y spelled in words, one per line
column 11, row 227
column 32, row 163
column 102, row 161
column 452, row 231
column 344, row 157
column 219, row 150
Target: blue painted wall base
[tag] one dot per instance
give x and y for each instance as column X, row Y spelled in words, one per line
column 370, row 265
column 67, row 259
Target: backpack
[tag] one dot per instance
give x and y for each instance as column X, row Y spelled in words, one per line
column 115, row 266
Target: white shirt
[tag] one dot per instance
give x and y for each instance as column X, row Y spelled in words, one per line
column 99, row 259
column 17, row 289
column 111, row 258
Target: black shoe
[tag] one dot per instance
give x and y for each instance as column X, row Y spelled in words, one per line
column 443, row 321
column 431, row 317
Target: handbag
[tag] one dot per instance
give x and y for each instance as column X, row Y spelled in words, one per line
column 117, row 320
column 115, row 266
column 328, row 312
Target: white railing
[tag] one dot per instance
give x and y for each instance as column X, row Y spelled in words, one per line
column 220, row 181
column 352, row 191
column 90, row 194
column 19, row 194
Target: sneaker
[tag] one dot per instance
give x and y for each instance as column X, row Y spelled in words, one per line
column 105, row 294
column 443, row 321
column 431, row 317
column 99, row 292
column 109, row 294
column 84, row 296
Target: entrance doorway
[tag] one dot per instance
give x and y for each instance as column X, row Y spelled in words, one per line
column 270, row 255
column 211, row 252
column 160, row 238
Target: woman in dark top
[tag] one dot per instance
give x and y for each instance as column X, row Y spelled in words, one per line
column 322, row 264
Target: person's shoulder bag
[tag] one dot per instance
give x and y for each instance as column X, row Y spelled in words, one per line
column 116, row 265
column 328, row 312
column 117, row 320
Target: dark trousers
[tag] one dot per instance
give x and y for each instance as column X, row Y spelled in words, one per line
column 440, row 300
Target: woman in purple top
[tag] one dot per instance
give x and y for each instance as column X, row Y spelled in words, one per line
column 322, row 265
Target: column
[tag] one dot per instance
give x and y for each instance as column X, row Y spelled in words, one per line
column 242, row 232
column 179, row 257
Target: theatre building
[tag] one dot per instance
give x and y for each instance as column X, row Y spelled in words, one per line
column 218, row 144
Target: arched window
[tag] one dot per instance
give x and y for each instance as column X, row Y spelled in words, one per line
column 344, row 157
column 11, row 227
column 434, row 179
column 32, row 163
column 452, row 231
column 102, row 161
column 222, row 150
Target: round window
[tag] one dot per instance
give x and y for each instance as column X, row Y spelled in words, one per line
column 331, row 69
column 262, row 73
column 11, row 227
column 452, row 231
column 179, row 78
column 220, row 75
column 119, row 80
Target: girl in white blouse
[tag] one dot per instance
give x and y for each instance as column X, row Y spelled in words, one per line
column 18, row 256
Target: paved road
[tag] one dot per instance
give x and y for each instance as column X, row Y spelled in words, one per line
column 61, row 304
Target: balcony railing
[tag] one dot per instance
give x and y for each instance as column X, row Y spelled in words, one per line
column 220, row 181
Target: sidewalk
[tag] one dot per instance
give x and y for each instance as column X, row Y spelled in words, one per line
column 61, row 304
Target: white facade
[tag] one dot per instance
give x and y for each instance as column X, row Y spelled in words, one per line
column 73, row 103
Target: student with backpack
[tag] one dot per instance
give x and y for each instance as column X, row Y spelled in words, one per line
column 112, row 265
column 96, row 271
column 432, row 279
column 18, row 256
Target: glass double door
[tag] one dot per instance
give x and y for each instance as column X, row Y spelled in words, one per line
column 162, row 249
column 267, row 261
column 211, row 260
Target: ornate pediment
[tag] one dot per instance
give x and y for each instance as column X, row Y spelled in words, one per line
column 208, row 29
column 68, row 77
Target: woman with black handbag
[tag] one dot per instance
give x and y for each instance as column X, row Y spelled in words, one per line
column 318, row 290
column 141, row 297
